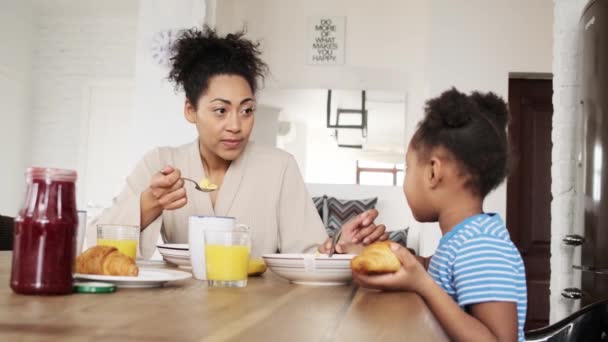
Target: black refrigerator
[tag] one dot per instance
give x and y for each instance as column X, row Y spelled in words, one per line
column 594, row 156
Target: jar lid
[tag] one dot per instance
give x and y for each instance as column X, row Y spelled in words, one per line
column 51, row 174
column 94, row 287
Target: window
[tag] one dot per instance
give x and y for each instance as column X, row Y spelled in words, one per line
column 377, row 173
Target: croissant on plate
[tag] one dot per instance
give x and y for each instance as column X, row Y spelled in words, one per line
column 375, row 259
column 106, row 260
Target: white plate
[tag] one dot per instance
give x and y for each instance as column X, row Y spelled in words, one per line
column 176, row 253
column 311, row 269
column 151, row 263
column 148, row 277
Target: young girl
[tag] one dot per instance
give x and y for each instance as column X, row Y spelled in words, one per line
column 476, row 283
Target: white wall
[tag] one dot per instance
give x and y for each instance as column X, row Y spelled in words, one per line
column 311, row 142
column 51, row 51
column 418, row 47
column 385, row 43
column 383, row 38
column 475, row 45
column 157, row 118
column 16, row 34
column 85, row 44
column 78, row 43
column 266, row 128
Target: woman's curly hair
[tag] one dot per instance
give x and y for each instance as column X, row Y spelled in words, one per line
column 199, row 54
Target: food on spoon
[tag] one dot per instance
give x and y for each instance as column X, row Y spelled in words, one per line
column 106, row 260
column 376, row 258
column 206, row 184
column 256, row 267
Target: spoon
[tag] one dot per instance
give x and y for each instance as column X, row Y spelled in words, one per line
column 197, row 186
column 334, row 243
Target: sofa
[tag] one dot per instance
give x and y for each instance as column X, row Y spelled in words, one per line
column 392, row 208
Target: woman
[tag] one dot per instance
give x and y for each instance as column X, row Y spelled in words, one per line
column 260, row 186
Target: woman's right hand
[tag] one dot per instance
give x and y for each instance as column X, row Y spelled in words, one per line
column 166, row 192
column 167, row 188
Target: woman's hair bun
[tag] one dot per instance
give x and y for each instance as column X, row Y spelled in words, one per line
column 197, row 54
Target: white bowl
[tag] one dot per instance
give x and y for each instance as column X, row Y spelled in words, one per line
column 176, row 253
column 311, row 269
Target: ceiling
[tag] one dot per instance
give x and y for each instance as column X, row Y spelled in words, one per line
column 85, row 7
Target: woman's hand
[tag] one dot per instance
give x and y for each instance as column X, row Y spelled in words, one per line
column 361, row 229
column 356, row 233
column 410, row 277
column 167, row 188
column 344, row 247
column 166, row 192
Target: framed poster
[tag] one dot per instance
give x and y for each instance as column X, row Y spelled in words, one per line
column 326, row 40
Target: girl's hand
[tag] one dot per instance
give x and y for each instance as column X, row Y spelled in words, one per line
column 411, row 277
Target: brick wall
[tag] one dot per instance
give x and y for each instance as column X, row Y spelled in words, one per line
column 72, row 51
column 16, row 45
column 564, row 210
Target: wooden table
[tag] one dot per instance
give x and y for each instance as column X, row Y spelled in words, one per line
column 268, row 309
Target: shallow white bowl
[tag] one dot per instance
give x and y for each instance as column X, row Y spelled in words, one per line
column 311, row 269
column 176, row 253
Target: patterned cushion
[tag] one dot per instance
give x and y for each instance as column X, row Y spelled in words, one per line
column 320, row 203
column 399, row 236
column 339, row 211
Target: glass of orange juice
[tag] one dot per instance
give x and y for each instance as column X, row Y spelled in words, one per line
column 227, row 258
column 123, row 237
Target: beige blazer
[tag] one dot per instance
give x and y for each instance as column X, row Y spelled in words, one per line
column 263, row 189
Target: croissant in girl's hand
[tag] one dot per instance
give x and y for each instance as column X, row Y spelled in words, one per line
column 106, row 260
column 376, row 258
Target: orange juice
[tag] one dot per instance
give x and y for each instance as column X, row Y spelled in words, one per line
column 226, row 263
column 127, row 247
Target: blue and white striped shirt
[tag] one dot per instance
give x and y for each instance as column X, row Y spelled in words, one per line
column 477, row 262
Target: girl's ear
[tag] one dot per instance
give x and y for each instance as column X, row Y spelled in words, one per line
column 434, row 172
column 189, row 112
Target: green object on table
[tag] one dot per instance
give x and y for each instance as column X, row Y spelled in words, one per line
column 94, row 287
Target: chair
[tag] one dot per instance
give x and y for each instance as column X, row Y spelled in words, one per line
column 588, row 324
column 6, row 233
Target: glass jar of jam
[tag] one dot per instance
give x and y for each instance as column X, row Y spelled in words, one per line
column 45, row 234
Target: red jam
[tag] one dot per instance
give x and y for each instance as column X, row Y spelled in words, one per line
column 45, row 234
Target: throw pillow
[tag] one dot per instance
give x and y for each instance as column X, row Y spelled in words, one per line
column 320, row 206
column 399, row 236
column 339, row 211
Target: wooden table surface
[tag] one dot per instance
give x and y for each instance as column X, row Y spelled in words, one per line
column 268, row 309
